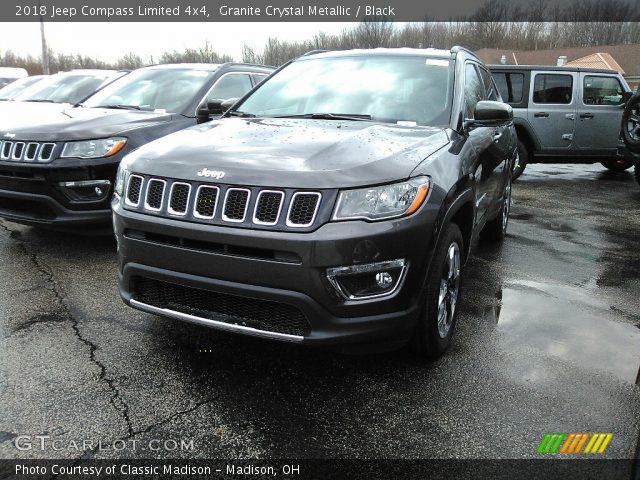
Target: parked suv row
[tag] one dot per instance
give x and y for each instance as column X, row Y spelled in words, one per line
column 565, row 115
column 58, row 164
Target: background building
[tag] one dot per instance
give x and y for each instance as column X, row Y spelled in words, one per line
column 622, row 58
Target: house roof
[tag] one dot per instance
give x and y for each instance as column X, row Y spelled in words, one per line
column 597, row 60
column 627, row 57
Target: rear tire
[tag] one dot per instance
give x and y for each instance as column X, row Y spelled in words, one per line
column 436, row 324
column 617, row 165
column 521, row 162
column 631, row 124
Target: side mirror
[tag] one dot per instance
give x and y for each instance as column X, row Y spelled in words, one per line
column 626, row 96
column 489, row 113
column 228, row 103
column 202, row 114
column 215, row 106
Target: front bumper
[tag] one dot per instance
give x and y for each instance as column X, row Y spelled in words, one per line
column 281, row 267
column 32, row 194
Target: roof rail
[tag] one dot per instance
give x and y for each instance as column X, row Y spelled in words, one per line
column 313, row 52
column 456, row 49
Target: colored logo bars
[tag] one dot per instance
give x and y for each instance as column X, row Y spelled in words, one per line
column 574, row 443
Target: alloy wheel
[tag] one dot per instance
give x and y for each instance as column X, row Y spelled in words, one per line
column 449, row 289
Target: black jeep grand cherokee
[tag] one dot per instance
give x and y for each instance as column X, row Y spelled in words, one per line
column 334, row 205
column 57, row 169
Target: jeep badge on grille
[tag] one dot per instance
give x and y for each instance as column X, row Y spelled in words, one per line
column 205, row 172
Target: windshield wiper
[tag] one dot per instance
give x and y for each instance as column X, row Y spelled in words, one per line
column 238, row 113
column 120, row 107
column 40, row 100
column 329, row 116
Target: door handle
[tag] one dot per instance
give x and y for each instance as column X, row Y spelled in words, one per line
column 570, row 116
column 586, row 115
column 541, row 115
column 496, row 136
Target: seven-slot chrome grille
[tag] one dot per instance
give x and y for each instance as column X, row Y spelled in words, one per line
column 18, row 151
column 222, row 204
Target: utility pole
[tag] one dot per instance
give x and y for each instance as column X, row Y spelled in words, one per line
column 45, row 50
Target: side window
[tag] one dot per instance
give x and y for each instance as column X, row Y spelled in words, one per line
column 258, row 78
column 602, row 91
column 552, row 88
column 510, row 85
column 489, row 86
column 233, row 85
column 473, row 89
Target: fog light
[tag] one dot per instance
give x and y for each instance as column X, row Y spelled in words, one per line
column 86, row 190
column 384, row 280
column 371, row 280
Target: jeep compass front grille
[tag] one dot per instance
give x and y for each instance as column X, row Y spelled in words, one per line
column 222, row 204
column 155, row 192
column 249, row 312
column 303, row 209
column 268, row 207
column 12, row 151
column 235, row 205
column 206, row 201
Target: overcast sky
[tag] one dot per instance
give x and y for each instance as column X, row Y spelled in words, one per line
column 109, row 41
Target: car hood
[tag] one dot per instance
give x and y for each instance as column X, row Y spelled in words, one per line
column 296, row 153
column 47, row 122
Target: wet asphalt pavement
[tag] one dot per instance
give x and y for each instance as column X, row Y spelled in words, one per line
column 548, row 340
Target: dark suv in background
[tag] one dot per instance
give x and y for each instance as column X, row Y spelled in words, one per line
column 565, row 115
column 334, row 205
column 58, row 170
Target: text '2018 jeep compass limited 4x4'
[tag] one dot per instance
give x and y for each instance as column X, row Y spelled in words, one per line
column 334, row 205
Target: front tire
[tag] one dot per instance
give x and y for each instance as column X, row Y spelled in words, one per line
column 618, row 165
column 631, row 124
column 496, row 229
column 438, row 316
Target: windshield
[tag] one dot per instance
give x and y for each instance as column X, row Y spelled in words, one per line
column 16, row 88
column 412, row 89
column 171, row 90
column 63, row 88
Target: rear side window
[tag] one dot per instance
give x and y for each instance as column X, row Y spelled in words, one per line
column 599, row 90
column 551, row 88
column 231, row 86
column 473, row 89
column 510, row 85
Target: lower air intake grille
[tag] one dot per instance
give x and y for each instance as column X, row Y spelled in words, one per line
column 249, row 312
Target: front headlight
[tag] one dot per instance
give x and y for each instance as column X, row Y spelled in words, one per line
column 383, row 202
column 105, row 147
column 121, row 175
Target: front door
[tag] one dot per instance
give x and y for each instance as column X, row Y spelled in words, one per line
column 552, row 109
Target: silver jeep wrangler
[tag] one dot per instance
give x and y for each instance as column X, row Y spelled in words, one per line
column 566, row 115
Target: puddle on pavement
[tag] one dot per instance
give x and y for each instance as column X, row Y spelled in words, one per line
column 568, row 323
